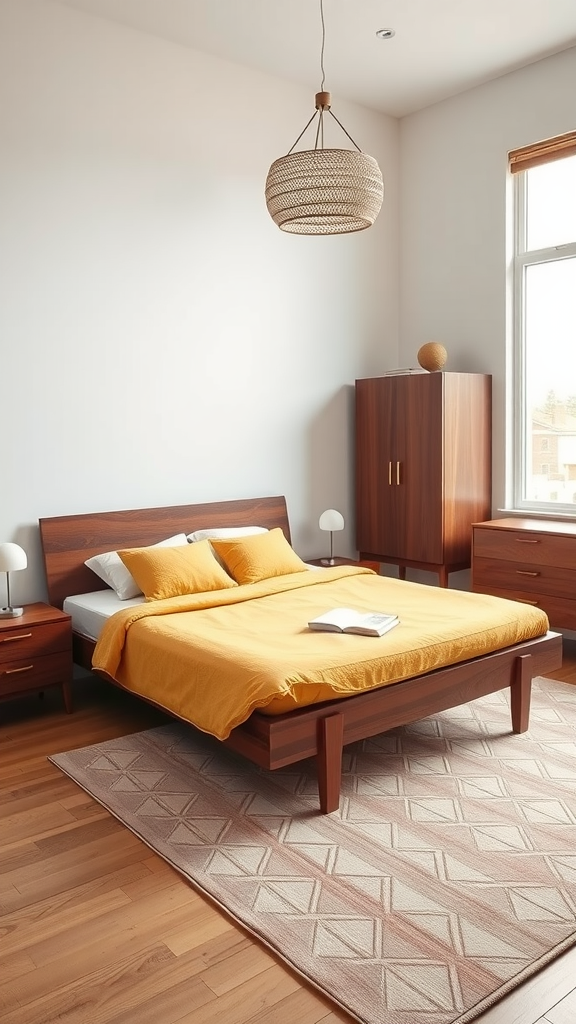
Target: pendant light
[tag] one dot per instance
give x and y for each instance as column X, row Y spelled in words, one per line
column 324, row 191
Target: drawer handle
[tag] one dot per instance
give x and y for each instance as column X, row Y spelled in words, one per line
column 524, row 600
column 19, row 636
column 522, row 541
column 13, row 671
column 524, row 572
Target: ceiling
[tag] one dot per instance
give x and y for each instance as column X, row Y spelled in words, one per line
column 441, row 47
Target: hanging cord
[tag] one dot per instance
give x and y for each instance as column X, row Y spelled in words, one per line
column 320, row 128
column 322, row 47
column 320, row 111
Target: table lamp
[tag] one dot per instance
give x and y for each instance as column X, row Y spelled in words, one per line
column 331, row 520
column 12, row 557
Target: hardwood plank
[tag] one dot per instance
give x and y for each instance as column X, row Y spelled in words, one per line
column 166, row 1005
column 240, row 967
column 564, row 1012
column 208, row 923
column 78, row 833
column 44, row 923
column 36, row 819
column 303, row 1006
column 242, row 1002
column 150, row 880
column 26, row 795
column 152, row 910
column 109, row 955
column 50, row 876
column 13, row 900
column 99, row 815
column 75, row 1001
column 524, row 1005
column 15, row 965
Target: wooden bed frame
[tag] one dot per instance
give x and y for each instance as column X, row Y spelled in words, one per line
column 320, row 730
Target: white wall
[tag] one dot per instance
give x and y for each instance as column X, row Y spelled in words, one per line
column 161, row 341
column 453, row 220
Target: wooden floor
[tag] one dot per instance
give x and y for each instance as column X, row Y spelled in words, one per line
column 96, row 929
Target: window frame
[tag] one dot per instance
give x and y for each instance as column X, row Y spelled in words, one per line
column 521, row 454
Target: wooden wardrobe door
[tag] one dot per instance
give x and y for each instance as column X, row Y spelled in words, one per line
column 379, row 515
column 419, row 450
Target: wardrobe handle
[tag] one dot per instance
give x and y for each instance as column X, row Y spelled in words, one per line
column 390, row 473
column 398, row 473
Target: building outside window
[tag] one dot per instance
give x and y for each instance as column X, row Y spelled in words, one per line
column 543, row 386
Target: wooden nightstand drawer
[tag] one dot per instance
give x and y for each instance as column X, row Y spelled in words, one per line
column 27, row 642
column 524, row 546
column 35, row 673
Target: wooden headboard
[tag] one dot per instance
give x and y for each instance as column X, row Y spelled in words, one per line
column 67, row 541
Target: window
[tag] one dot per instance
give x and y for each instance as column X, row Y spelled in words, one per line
column 543, row 391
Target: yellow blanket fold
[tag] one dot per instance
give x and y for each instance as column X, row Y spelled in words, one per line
column 214, row 658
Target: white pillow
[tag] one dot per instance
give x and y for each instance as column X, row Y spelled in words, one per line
column 223, row 532
column 110, row 568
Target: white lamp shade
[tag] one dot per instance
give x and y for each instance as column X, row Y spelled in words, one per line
column 12, row 557
column 331, row 519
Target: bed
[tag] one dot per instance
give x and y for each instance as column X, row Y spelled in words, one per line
column 318, row 730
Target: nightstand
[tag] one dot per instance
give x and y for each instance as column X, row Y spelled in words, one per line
column 36, row 652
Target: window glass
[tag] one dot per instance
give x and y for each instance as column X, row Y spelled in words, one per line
column 542, row 459
column 550, row 380
column 551, row 209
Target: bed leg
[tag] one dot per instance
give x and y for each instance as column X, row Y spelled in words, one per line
column 329, row 761
column 520, row 692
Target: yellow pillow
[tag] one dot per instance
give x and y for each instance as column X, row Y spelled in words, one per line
column 250, row 559
column 170, row 572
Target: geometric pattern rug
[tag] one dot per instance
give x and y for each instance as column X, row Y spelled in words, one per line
column 446, row 878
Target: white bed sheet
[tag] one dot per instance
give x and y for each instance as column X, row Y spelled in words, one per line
column 90, row 611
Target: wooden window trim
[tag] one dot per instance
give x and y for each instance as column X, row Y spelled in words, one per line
column 542, row 152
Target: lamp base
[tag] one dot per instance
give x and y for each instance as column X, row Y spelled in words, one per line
column 10, row 613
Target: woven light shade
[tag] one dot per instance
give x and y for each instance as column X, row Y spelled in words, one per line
column 324, row 191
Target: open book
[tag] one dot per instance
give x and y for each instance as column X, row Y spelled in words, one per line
column 346, row 620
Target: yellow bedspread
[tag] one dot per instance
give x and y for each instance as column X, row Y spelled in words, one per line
column 214, row 658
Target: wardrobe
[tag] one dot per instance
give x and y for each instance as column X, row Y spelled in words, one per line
column 423, row 468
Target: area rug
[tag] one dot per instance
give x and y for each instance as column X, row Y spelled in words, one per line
column 447, row 877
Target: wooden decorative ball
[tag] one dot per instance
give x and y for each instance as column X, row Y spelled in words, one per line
column 432, row 356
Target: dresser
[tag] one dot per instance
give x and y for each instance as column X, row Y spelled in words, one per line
column 36, row 652
column 423, row 468
column 529, row 560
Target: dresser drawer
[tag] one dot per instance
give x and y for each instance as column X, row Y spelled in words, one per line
column 523, row 576
column 525, row 546
column 28, row 642
column 561, row 612
column 35, row 673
